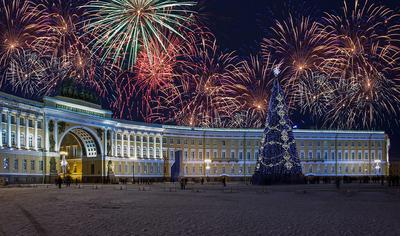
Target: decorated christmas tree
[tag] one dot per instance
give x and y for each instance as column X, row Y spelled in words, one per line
column 277, row 160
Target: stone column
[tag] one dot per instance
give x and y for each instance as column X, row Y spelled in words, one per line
column 35, row 134
column 105, row 142
column 148, row 146
column 134, row 146
column 116, row 143
column 122, row 144
column 161, row 148
column 46, row 135
column 18, row 133
column 55, row 136
column 129, row 145
column 1, row 128
column 141, row 145
column 112, row 143
column 9, row 129
column 27, row 132
column 154, row 146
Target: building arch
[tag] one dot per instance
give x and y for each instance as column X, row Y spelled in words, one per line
column 91, row 141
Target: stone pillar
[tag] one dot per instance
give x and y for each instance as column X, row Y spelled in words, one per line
column 161, row 148
column 18, row 133
column 55, row 136
column 116, row 143
column 46, row 135
column 122, row 144
column 9, row 129
column 154, row 146
column 148, row 146
column 134, row 146
column 105, row 142
column 112, row 143
column 27, row 133
column 129, row 145
column 141, row 145
column 35, row 134
column 1, row 128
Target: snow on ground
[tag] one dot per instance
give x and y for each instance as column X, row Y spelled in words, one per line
column 201, row 210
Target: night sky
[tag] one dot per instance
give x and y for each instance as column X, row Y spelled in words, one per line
column 240, row 25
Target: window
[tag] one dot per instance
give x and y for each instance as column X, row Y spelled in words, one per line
column 340, row 156
column 380, row 155
column 126, row 168
column 30, row 123
column 186, row 170
column 215, row 170
column 24, row 165
column 346, row 169
column 32, row 165
column 171, row 155
column 310, row 170
column 240, row 155
column 208, row 155
column 223, row 170
column 41, row 165
column 359, row 169
column 215, row 155
column 200, row 169
column 302, row 155
column 5, row 163
column 248, row 155
column 16, row 164
column 373, row 155
column 333, row 156
column 326, row 169
column 310, row 155
column 332, row 169
column 326, row 155
column 366, row 155
column 151, row 169
column 12, row 138
column 119, row 168
column 353, row 156
column 30, row 141
column 192, row 155
column 193, row 170
column 4, row 137
column 223, row 155
column 232, row 155
column 39, row 141
column 232, row 170
column 359, row 156
column 248, row 170
column 223, row 143
column 185, row 155
column 346, row 155
column 255, row 155
column 319, row 155
column 200, row 157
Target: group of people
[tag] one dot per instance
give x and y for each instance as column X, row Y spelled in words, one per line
column 67, row 181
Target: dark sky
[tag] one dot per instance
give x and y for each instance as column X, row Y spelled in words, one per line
column 241, row 24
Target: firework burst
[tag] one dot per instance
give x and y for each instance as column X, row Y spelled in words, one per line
column 200, row 95
column 26, row 73
column 366, row 58
column 125, row 27
column 252, row 88
column 300, row 48
column 20, row 24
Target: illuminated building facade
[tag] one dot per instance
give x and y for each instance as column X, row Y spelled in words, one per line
column 69, row 137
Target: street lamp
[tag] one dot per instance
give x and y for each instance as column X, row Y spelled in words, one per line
column 377, row 166
column 207, row 162
column 64, row 162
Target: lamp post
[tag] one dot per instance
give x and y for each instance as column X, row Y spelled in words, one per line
column 207, row 162
column 64, row 162
column 377, row 166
